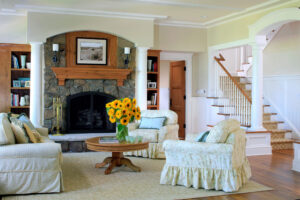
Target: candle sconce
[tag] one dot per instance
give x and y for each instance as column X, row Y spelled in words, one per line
column 57, row 111
column 126, row 56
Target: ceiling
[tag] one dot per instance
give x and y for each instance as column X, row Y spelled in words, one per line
column 197, row 13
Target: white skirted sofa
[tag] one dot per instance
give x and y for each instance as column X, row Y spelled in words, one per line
column 28, row 168
column 220, row 163
column 155, row 137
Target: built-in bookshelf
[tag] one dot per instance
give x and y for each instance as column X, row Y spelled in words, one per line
column 153, row 67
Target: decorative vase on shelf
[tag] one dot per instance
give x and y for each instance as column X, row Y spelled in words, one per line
column 27, row 100
column 22, row 101
column 122, row 112
column 23, row 61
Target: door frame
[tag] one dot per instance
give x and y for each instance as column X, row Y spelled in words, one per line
column 187, row 57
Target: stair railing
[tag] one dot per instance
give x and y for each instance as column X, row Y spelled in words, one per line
column 237, row 103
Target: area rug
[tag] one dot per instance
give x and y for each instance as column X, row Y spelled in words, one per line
column 83, row 181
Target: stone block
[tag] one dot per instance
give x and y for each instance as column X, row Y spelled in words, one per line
column 75, row 146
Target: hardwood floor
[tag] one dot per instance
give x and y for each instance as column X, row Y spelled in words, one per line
column 273, row 171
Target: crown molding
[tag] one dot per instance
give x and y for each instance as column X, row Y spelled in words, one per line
column 225, row 19
column 175, row 23
column 186, row 4
column 82, row 12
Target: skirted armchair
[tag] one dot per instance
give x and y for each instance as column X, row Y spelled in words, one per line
column 155, row 137
column 220, row 163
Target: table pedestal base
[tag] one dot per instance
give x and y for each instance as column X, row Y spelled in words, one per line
column 117, row 159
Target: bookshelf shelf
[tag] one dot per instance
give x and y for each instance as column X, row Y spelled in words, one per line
column 20, row 88
column 20, row 107
column 20, row 70
column 153, row 66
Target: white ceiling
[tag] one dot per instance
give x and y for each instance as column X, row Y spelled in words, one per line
column 198, row 13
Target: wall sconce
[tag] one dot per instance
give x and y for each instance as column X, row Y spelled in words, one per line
column 127, row 56
column 55, row 49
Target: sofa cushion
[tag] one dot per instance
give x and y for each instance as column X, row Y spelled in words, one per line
column 6, row 133
column 33, row 134
column 171, row 116
column 152, row 122
column 220, row 132
column 19, row 131
column 149, row 135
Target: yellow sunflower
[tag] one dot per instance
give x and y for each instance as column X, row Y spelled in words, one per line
column 133, row 102
column 125, row 111
column 108, row 105
column 134, row 110
column 137, row 116
column 128, row 105
column 111, row 112
column 112, row 119
column 121, row 105
column 118, row 114
column 138, row 109
column 126, row 100
column 115, row 103
column 124, row 121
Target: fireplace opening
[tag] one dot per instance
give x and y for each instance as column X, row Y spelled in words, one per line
column 86, row 113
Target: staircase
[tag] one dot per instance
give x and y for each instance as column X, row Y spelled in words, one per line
column 233, row 100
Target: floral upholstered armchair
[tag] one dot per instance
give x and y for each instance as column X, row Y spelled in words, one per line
column 220, row 163
column 155, row 137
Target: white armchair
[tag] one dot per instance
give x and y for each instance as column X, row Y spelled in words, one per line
column 155, row 137
column 220, row 163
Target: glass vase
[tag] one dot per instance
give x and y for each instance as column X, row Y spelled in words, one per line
column 122, row 132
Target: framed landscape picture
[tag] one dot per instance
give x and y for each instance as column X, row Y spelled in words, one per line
column 91, row 51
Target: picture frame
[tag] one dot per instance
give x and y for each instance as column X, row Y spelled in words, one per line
column 152, row 85
column 91, row 51
column 27, row 83
column 16, row 83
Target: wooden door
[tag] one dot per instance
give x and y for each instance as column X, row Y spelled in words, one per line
column 177, row 93
column 5, row 82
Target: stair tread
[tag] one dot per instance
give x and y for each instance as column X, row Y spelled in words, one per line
column 280, row 130
column 281, row 140
column 270, row 113
column 273, row 122
column 218, row 105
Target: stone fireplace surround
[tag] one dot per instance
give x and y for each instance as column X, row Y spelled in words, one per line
column 75, row 142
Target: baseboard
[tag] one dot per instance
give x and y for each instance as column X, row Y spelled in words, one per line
column 296, row 165
column 258, row 150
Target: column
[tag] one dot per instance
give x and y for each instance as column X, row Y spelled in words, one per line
column 257, row 84
column 36, row 84
column 141, row 77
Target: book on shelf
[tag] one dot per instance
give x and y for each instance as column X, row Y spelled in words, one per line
column 108, row 139
column 155, row 67
column 14, row 99
column 149, row 65
column 15, row 62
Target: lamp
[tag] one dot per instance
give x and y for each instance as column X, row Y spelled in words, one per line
column 127, row 54
column 55, row 49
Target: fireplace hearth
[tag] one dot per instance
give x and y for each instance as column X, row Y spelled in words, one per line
column 86, row 113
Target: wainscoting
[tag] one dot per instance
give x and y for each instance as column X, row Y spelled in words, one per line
column 283, row 93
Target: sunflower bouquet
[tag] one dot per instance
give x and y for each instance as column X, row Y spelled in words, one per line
column 122, row 112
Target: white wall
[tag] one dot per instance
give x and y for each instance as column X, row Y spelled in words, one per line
column 164, row 87
column 232, row 59
column 282, row 74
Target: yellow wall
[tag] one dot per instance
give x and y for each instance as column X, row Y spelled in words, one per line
column 42, row 26
column 179, row 38
column 200, row 73
column 237, row 29
column 13, row 29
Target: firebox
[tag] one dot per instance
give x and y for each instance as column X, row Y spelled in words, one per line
column 86, row 113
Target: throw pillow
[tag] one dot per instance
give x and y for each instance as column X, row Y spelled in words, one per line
column 152, row 122
column 33, row 134
column 19, row 131
column 202, row 137
column 6, row 133
column 220, row 132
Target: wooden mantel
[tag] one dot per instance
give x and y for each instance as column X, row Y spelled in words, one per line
column 63, row 73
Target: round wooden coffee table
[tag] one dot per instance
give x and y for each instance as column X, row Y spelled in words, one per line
column 117, row 150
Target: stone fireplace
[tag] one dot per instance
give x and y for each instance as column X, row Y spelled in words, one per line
column 86, row 113
column 94, row 93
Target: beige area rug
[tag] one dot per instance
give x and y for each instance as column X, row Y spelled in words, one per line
column 83, row 181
